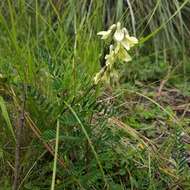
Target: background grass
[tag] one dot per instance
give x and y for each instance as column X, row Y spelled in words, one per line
column 109, row 138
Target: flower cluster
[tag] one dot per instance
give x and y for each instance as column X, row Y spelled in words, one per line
column 118, row 51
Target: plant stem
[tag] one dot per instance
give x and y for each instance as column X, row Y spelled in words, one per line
column 55, row 157
column 19, row 128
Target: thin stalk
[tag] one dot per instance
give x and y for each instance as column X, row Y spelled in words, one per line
column 55, row 157
column 19, row 129
column 132, row 17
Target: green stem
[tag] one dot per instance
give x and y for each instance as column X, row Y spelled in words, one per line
column 55, row 157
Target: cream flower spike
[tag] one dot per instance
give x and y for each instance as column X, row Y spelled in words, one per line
column 106, row 34
column 122, row 43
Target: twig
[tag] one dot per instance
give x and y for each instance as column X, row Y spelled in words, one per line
column 19, row 128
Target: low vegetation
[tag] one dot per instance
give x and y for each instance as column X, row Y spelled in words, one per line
column 69, row 123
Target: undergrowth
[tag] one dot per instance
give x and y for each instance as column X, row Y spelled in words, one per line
column 132, row 136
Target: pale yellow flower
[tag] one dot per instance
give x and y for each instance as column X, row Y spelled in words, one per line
column 122, row 53
column 99, row 76
column 112, row 27
column 119, row 33
column 130, row 40
column 106, row 34
column 110, row 58
column 122, row 36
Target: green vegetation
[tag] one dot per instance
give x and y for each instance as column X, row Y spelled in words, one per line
column 58, row 130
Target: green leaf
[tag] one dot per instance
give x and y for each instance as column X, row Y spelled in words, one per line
column 6, row 116
column 49, row 135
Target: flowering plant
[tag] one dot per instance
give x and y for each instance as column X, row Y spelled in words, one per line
column 118, row 51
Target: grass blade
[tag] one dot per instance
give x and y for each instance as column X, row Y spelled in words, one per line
column 55, row 157
column 6, row 116
column 164, row 24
